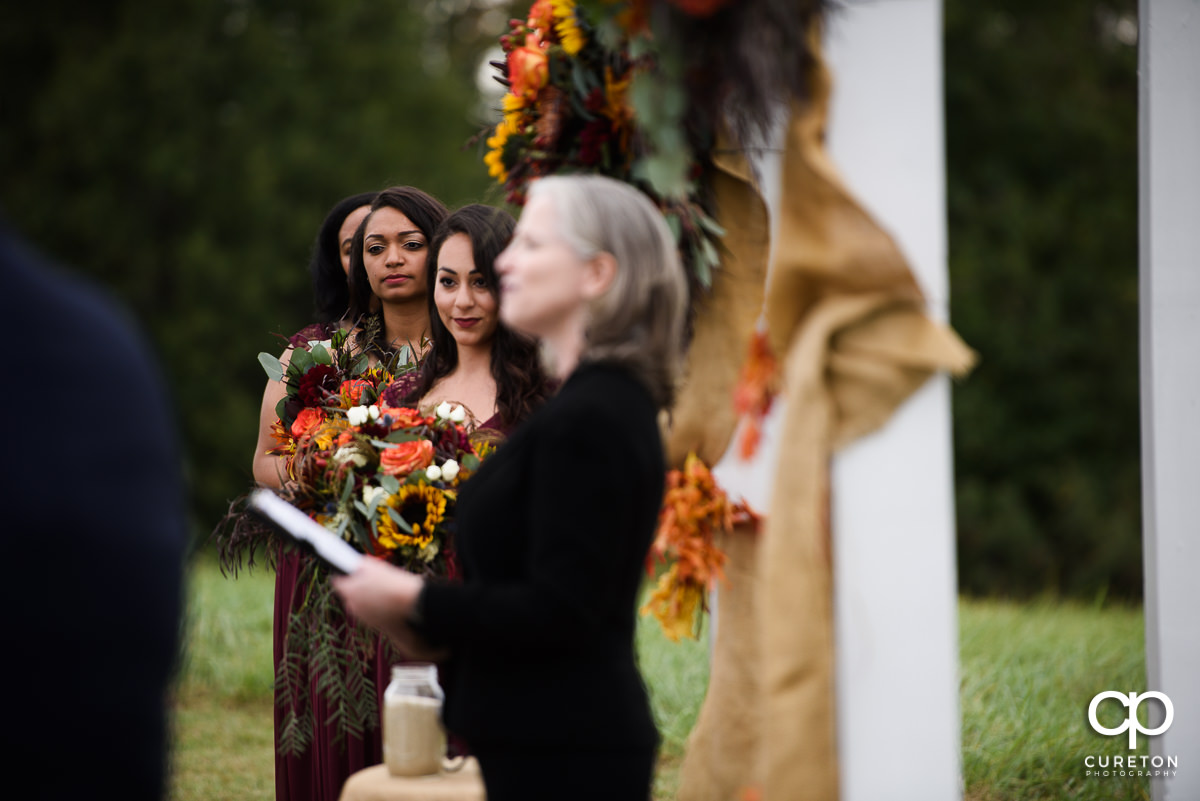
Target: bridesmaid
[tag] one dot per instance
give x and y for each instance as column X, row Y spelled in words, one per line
column 329, row 266
column 398, row 244
column 473, row 360
column 388, row 262
column 330, row 263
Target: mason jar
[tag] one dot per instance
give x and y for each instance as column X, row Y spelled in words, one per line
column 414, row 743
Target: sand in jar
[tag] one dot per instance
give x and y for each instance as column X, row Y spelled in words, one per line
column 413, row 740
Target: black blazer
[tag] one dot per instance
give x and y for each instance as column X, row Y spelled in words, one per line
column 552, row 534
column 93, row 539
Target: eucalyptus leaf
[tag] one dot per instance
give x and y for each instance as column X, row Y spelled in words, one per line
column 320, row 355
column 360, row 364
column 665, row 172
column 302, row 360
column 281, row 407
column 362, row 508
column 390, row 484
column 347, row 488
column 675, row 224
column 710, row 225
column 361, row 536
column 272, row 365
column 399, row 521
column 702, row 265
column 470, row 462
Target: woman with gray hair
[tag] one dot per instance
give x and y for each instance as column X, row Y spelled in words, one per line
column 553, row 530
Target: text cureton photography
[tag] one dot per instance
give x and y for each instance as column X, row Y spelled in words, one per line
column 1100, row 765
column 1137, row 765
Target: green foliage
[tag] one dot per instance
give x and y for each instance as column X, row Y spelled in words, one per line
column 184, row 154
column 1041, row 114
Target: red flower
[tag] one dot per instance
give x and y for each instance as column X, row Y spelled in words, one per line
column 699, row 8
column 306, row 421
column 317, row 385
column 591, row 142
column 407, row 457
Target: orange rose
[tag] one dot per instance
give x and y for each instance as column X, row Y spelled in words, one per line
column 407, row 457
column 528, row 69
column 309, row 418
column 402, row 417
column 352, row 390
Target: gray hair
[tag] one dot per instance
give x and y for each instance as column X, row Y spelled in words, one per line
column 639, row 321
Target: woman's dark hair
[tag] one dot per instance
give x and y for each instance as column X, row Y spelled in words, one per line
column 331, row 291
column 520, row 382
column 425, row 211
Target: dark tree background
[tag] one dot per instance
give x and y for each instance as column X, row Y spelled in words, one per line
column 1041, row 116
column 183, row 154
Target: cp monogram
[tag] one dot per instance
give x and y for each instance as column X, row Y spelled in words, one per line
column 1132, row 723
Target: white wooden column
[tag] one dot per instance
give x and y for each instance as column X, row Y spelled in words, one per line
column 1169, row 99
column 893, row 495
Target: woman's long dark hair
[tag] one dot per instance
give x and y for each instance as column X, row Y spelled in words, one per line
column 427, row 213
column 520, row 382
column 331, row 291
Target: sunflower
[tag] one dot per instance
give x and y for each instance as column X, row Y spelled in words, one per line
column 495, row 156
column 412, row 502
column 567, row 27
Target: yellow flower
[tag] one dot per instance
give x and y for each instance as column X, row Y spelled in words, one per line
column 567, row 26
column 512, row 104
column 674, row 604
column 413, row 502
column 327, row 433
column 495, row 156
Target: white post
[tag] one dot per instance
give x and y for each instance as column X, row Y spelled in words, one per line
column 893, row 506
column 893, row 492
column 1169, row 44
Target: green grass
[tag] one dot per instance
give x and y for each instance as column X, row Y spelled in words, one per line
column 1028, row 672
column 223, row 720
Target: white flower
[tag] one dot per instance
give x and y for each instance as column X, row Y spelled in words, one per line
column 373, row 412
column 433, row 472
column 357, row 415
column 457, row 414
column 449, row 470
column 443, row 410
column 335, row 522
column 373, row 495
column 348, row 454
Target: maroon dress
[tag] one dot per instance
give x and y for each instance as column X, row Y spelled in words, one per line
column 319, row 773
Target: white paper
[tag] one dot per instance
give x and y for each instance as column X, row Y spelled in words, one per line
column 334, row 550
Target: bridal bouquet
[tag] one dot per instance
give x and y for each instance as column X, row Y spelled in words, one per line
column 383, row 478
column 381, row 475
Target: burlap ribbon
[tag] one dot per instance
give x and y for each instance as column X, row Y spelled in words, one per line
column 848, row 316
column 703, row 419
